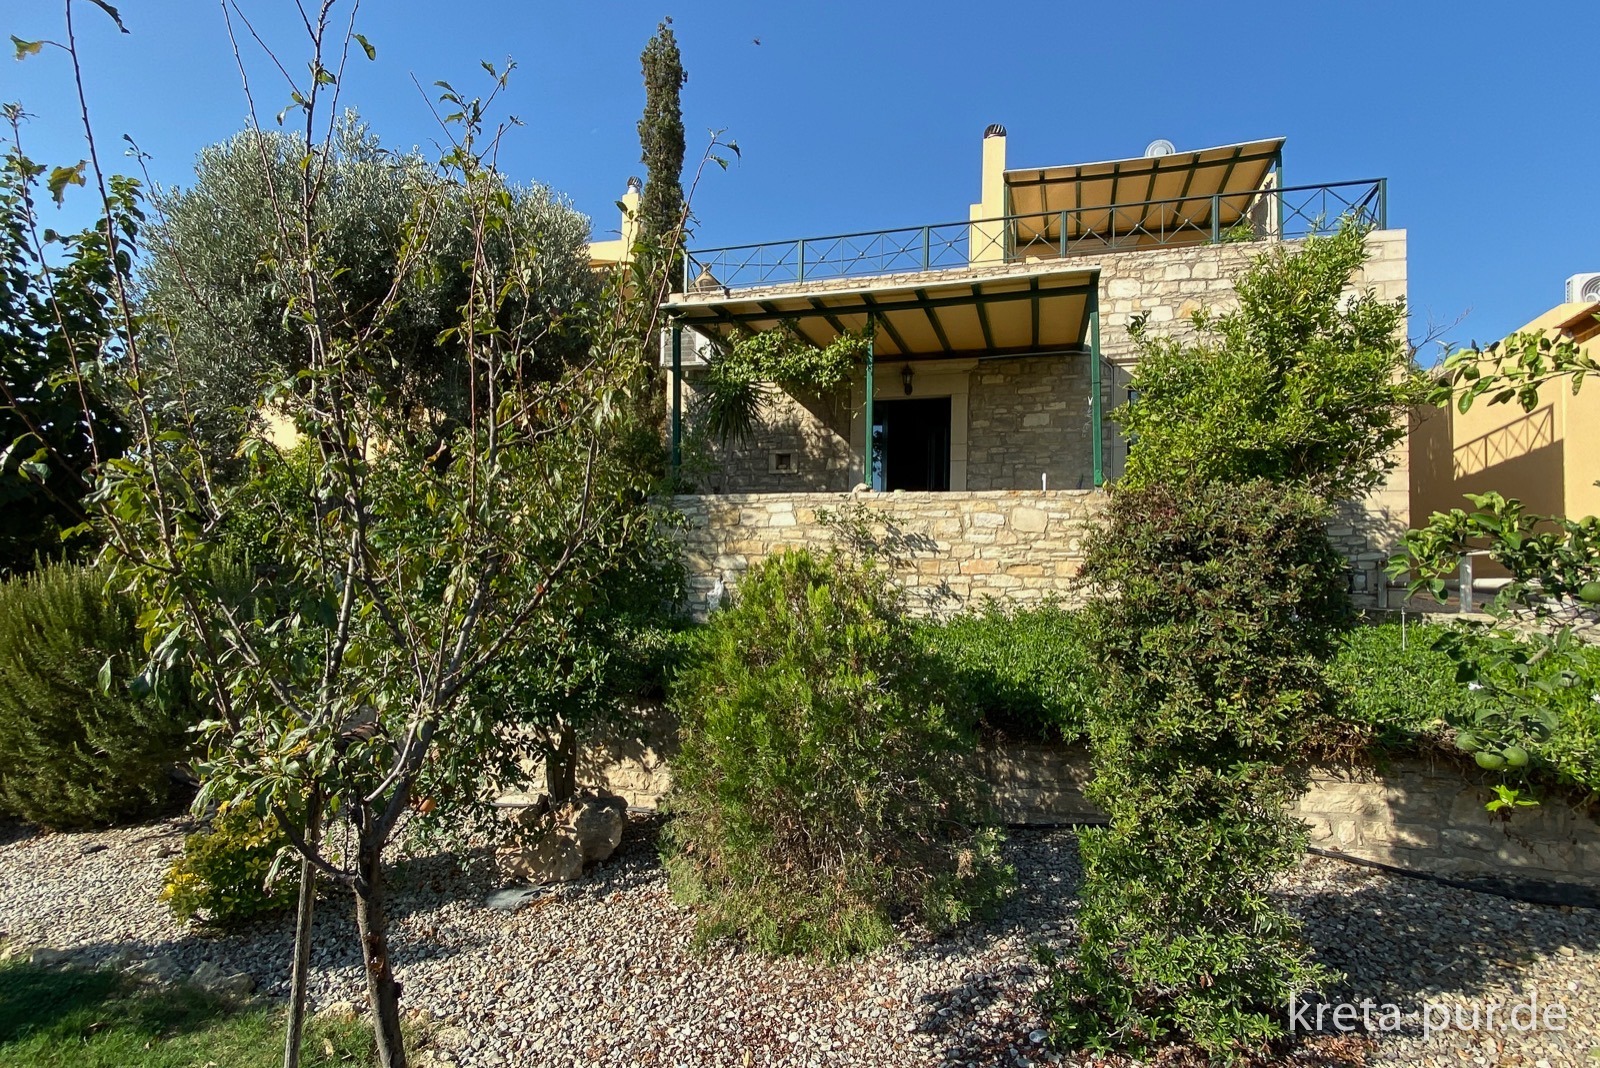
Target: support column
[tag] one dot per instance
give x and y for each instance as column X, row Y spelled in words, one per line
column 869, row 453
column 677, row 400
column 1094, row 384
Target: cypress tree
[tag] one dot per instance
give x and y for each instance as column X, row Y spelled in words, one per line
column 661, row 144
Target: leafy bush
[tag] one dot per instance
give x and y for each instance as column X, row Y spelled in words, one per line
column 1402, row 691
column 1215, row 606
column 83, row 740
column 1535, row 715
column 1298, row 384
column 1027, row 670
column 222, row 875
column 821, row 792
column 1527, row 700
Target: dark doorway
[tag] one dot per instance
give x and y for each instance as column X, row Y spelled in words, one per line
column 913, row 444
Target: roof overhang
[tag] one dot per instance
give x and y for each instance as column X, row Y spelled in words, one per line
column 1153, row 194
column 997, row 315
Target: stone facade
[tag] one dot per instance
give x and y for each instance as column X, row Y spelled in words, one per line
column 951, row 549
column 1026, row 417
column 1028, row 424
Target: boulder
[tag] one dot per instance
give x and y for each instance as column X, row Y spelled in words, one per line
column 595, row 821
column 552, row 857
column 212, row 979
column 554, row 845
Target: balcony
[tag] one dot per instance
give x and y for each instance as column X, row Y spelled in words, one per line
column 1219, row 218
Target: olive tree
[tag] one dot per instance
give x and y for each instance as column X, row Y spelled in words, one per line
column 217, row 289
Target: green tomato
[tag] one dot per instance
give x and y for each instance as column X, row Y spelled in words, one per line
column 1590, row 593
column 1489, row 761
column 1467, row 742
column 1516, row 756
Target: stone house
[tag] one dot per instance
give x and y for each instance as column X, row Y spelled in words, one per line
column 977, row 431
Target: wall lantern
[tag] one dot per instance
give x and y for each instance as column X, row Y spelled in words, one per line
column 905, row 378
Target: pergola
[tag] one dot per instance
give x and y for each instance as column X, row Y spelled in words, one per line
column 960, row 314
column 1204, row 192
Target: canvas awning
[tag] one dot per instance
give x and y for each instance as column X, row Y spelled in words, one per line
column 1157, row 195
column 1038, row 311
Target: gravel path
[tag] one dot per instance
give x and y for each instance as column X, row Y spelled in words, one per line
column 601, row 972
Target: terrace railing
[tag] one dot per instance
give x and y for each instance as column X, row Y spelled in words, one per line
column 1291, row 212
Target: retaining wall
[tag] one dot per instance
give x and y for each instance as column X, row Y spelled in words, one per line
column 1417, row 814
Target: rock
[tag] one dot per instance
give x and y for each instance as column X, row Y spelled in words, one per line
column 160, row 967
column 596, row 821
column 511, row 900
column 213, row 979
column 92, row 847
column 163, row 850
column 554, row 857
column 553, row 846
column 45, row 957
column 339, row 1010
column 119, row 960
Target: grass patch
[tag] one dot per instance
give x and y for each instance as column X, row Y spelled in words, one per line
column 102, row 1019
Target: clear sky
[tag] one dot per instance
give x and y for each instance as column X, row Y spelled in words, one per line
column 868, row 114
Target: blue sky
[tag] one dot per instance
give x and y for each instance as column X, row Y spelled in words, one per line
column 868, row 114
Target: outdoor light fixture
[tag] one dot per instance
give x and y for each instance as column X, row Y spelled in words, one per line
column 905, row 378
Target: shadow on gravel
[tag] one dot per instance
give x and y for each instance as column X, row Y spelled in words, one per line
column 1396, row 939
column 987, row 1018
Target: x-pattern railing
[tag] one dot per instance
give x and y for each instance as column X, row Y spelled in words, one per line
column 1295, row 211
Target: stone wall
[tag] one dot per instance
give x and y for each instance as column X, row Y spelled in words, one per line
column 813, row 433
column 1026, row 418
column 1418, row 815
column 1029, row 416
column 954, row 548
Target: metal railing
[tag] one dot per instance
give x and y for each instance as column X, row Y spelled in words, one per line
column 1291, row 212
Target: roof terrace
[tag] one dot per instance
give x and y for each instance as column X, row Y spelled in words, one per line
column 1232, row 193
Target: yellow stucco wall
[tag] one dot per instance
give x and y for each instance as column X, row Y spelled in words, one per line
column 1548, row 458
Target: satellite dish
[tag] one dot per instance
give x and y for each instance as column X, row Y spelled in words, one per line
column 1159, row 147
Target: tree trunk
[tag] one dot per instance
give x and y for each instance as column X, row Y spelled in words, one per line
column 302, row 938
column 383, row 993
column 561, row 767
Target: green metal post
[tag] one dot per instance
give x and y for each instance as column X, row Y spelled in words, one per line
column 870, row 449
column 1094, row 384
column 677, row 398
column 1216, row 219
column 1277, row 166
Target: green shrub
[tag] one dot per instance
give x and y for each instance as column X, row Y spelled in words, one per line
column 1402, row 691
column 1214, row 608
column 1027, row 670
column 1535, row 715
column 822, row 791
column 78, row 745
column 221, row 877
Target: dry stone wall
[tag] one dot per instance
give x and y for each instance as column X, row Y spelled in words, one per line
column 1417, row 815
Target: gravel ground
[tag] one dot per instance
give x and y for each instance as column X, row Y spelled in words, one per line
column 601, row 972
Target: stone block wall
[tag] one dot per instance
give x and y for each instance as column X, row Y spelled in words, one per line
column 954, row 548
column 1027, row 417
column 1417, row 815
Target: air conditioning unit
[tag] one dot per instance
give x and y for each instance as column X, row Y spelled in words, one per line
column 693, row 350
column 1583, row 287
